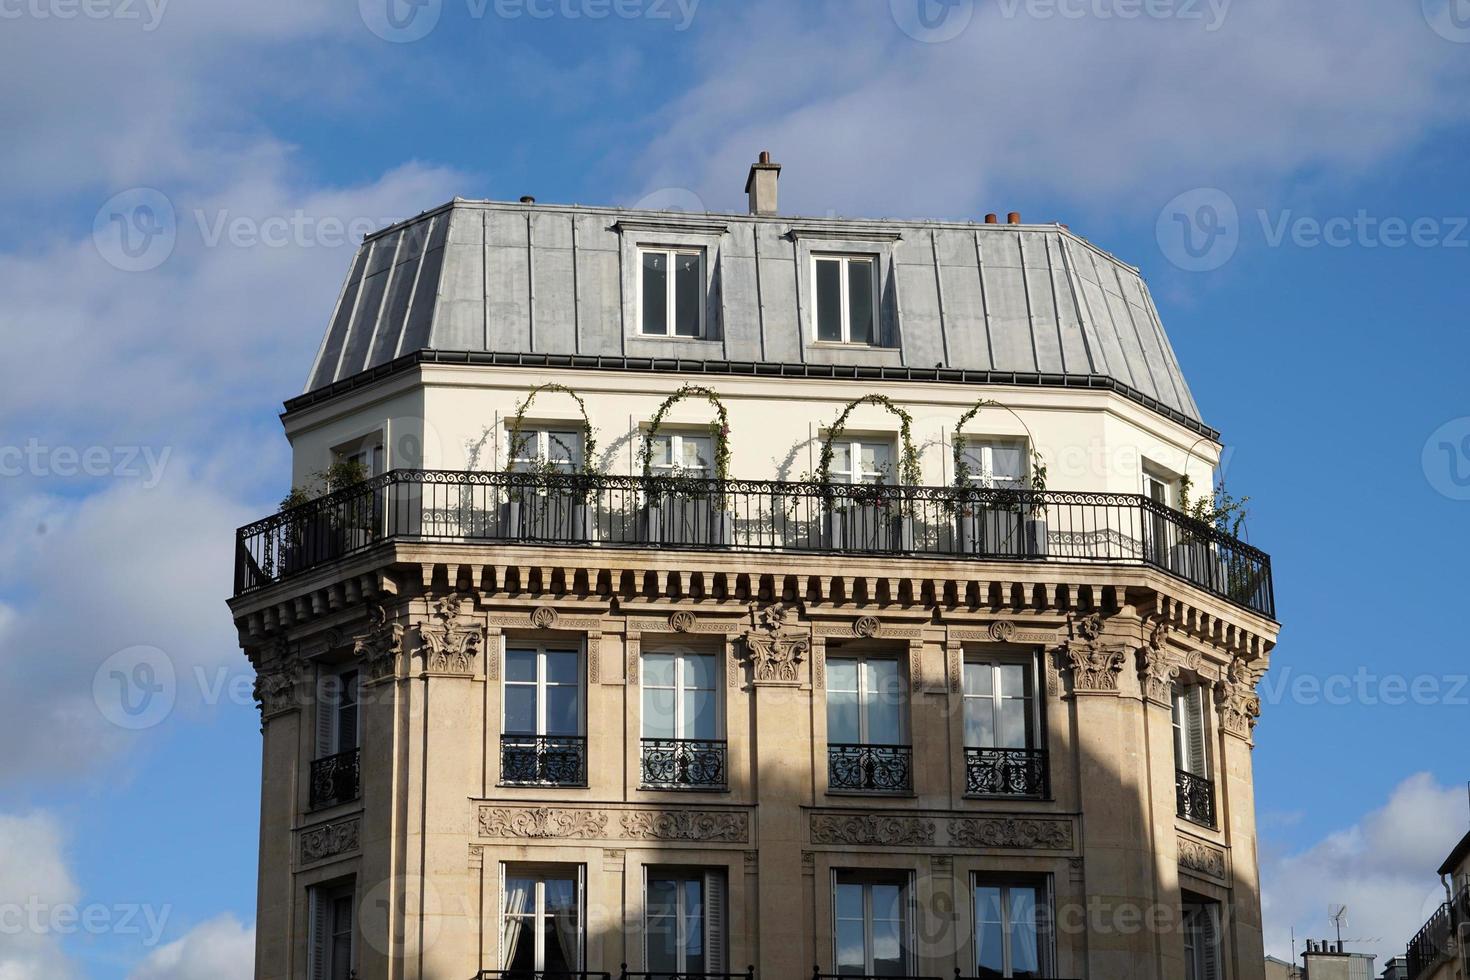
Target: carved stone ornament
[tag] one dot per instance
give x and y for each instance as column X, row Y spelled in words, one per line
column 1002, row 631
column 543, row 617
column 275, row 683
column 1013, row 832
column 542, row 821
column 449, row 645
column 688, row 825
column 871, row 829
column 1236, row 699
column 775, row 654
column 379, row 648
column 1195, row 855
column 1157, row 673
column 682, row 622
column 866, row 627
column 329, row 840
column 1094, row 666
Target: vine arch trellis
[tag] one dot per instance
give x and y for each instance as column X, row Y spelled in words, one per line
column 719, row 429
column 909, row 471
column 589, row 437
column 962, row 468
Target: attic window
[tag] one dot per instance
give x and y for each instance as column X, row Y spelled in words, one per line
column 671, row 292
column 846, row 300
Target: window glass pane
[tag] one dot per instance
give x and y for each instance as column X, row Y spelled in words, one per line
column 663, row 941
column 850, row 959
column 877, row 462
column 694, row 926
column 658, row 713
column 520, row 709
column 655, row 293
column 1008, row 464
column 520, row 665
column 699, row 714
column 658, row 669
column 699, row 671
column 973, row 456
column 688, row 289
column 563, row 667
column 564, row 450
column 829, row 299
column 842, row 718
column 1025, row 946
column 561, row 711
column 979, row 723
column 698, row 453
column 887, row 946
column 1013, row 680
column 849, row 901
column 860, row 300
column 1013, row 724
column 978, row 679
column 989, row 940
column 842, row 674
column 842, row 460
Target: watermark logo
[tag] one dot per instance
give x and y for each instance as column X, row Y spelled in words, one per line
column 1199, row 231
column 401, row 21
column 149, row 13
column 1450, row 19
column 135, row 688
column 932, row 21
column 401, row 916
column 36, row 917
column 1209, row 13
column 1446, row 459
column 671, row 199
column 136, row 231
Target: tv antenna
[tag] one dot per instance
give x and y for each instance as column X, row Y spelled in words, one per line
column 1338, row 915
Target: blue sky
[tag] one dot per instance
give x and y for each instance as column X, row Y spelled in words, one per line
column 1288, row 138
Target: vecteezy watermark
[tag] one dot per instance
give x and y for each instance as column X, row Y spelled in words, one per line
column 149, row 13
column 1199, row 230
column 1450, row 19
column 405, row 21
column 1366, row 688
column 136, row 231
column 1446, row 459
column 135, row 688
column 671, row 199
column 39, row 918
column 932, row 21
column 1210, row 14
column 125, row 462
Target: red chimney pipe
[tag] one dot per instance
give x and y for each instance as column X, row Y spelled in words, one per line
column 1014, row 218
column 992, row 219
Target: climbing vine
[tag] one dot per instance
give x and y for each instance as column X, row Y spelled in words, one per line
column 962, row 468
column 909, row 472
column 589, row 437
column 719, row 429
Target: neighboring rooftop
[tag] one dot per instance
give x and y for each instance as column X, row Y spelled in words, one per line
column 1032, row 303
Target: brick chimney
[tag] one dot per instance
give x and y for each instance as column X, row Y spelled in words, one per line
column 762, row 183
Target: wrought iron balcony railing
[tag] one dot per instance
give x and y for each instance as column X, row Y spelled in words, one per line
column 1432, row 942
column 817, row 974
column 543, row 760
column 335, row 779
column 543, row 975
column 1007, row 772
column 870, row 768
column 626, row 974
column 752, row 515
column 1195, row 796
column 683, row 763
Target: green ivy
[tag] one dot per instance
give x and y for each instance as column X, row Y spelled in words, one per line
column 1218, row 509
column 589, row 434
column 719, row 429
column 909, row 471
column 343, row 473
column 962, row 468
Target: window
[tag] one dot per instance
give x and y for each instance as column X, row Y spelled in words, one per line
column 331, row 932
column 1195, row 791
column 682, row 744
column 1202, row 940
column 557, row 448
column 871, row 925
column 846, row 290
column 336, row 713
column 996, row 464
column 1161, row 492
column 678, row 454
column 867, row 746
column 366, row 453
column 1003, row 756
column 543, row 740
column 672, row 293
column 867, row 461
column 684, row 922
column 541, row 924
column 1012, row 929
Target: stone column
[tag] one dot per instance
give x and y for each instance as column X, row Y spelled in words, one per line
column 781, row 732
column 278, row 692
column 1158, row 669
column 1239, row 707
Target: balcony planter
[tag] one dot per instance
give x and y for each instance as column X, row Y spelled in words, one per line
column 551, row 516
column 1199, row 562
column 867, row 527
column 676, row 519
column 1001, row 531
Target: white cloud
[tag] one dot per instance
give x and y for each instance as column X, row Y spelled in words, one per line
column 1109, row 114
column 220, row 949
column 1383, row 868
column 36, row 882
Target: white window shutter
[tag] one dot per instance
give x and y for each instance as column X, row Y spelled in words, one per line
column 1194, row 722
column 1209, row 925
column 319, row 934
column 326, row 714
column 347, row 716
column 714, row 922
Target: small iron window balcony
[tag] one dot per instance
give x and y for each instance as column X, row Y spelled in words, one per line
column 543, row 975
column 1021, row 773
column 1195, row 796
column 870, row 768
column 683, row 763
column 335, row 779
column 543, row 760
column 747, row 974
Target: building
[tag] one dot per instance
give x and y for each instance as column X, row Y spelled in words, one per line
column 1328, row 959
column 1278, row 969
column 669, row 629
column 1395, row 969
column 1441, row 949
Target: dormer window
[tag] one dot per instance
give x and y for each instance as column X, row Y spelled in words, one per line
column 671, row 292
column 846, row 298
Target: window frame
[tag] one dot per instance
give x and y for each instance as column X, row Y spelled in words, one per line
column 540, row 872
column 902, row 696
column 332, row 683
column 1203, row 961
column 854, row 446
column 679, row 689
column 676, row 439
column 1183, row 749
column 322, row 932
column 715, row 915
column 844, row 260
column 1043, row 889
column 983, row 475
column 670, row 253
column 544, row 433
column 1035, row 717
column 867, row 879
column 542, row 648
